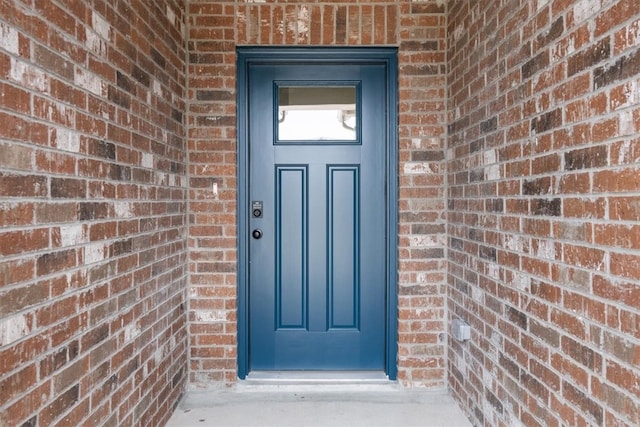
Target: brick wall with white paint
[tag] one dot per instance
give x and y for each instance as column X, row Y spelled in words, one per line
column 543, row 191
column 93, row 234
column 418, row 29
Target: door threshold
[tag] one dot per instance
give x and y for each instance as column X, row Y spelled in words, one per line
column 317, row 378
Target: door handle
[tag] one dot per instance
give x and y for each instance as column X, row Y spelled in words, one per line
column 257, row 233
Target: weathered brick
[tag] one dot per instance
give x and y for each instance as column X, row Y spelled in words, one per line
column 536, row 64
column 547, row 207
column 53, row 62
column 593, row 55
column 92, row 210
column 214, row 95
column 141, row 76
column 564, row 163
column 624, row 68
column 124, row 82
column 517, row 317
column 118, row 97
column 63, row 402
column 68, row 188
column 18, row 299
column 55, row 261
column 23, row 185
column 565, row 167
column 16, row 242
column 554, row 32
column 489, row 125
column 547, row 121
column 158, row 58
column 537, row 187
column 79, row 81
column 586, row 158
column 581, row 399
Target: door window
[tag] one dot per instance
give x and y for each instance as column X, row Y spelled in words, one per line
column 317, row 113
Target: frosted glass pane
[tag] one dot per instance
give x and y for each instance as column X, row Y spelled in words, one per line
column 317, row 113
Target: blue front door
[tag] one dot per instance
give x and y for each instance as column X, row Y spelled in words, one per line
column 317, row 262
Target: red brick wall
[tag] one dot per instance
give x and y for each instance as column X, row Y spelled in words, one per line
column 542, row 187
column 215, row 29
column 543, row 190
column 93, row 243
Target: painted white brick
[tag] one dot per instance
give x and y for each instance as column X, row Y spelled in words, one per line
column 93, row 253
column 123, row 209
column 13, row 328
column 96, row 44
column 28, row 76
column 210, row 315
column 171, row 15
column 514, row 243
column 542, row 3
column 492, row 172
column 546, row 249
column 418, row 168
column 147, row 160
column 522, row 281
column 490, row 157
column 584, row 9
column 624, row 155
column 302, row 24
column 72, row 235
column 100, row 26
column 427, row 241
column 88, row 81
column 67, row 140
column 9, row 39
column 627, row 123
column 157, row 87
column 477, row 294
column 494, row 271
column 131, row 331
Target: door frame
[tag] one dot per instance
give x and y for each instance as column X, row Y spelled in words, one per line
column 387, row 56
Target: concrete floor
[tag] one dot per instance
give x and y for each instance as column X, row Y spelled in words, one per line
column 334, row 405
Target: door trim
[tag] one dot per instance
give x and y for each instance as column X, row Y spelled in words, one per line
column 281, row 55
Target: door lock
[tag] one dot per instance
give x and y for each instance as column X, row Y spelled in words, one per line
column 257, row 233
column 256, row 209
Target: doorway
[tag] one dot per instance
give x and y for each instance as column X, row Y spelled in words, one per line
column 317, row 209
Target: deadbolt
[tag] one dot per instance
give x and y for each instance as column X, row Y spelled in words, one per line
column 257, row 233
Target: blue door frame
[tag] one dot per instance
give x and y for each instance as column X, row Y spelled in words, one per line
column 318, row 55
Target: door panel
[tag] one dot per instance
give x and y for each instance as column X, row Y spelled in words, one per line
column 291, row 252
column 317, row 274
column 343, row 252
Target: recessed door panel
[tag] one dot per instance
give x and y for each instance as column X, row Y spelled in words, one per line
column 291, row 250
column 317, row 268
column 343, row 227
